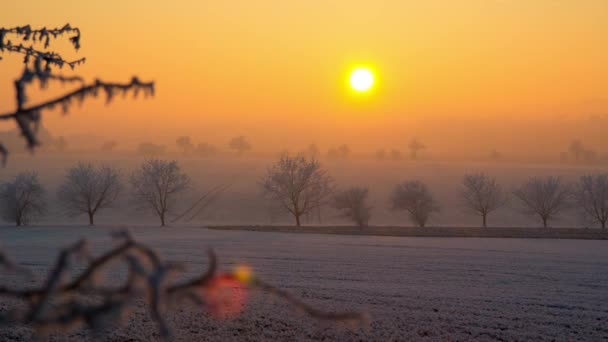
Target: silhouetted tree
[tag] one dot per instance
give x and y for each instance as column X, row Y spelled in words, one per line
column 396, row 154
column 591, row 194
column 352, row 203
column 581, row 153
column 380, row 154
column 341, row 152
column 415, row 147
column 495, row 155
column 155, row 185
column 149, row 149
column 109, row 146
column 88, row 189
column 240, row 144
column 482, row 195
column 185, row 144
column 205, row 150
column 590, row 156
column 333, row 153
column 298, row 184
column 22, row 200
column 545, row 197
column 577, row 149
column 415, row 198
column 313, row 151
column 39, row 63
column 344, row 151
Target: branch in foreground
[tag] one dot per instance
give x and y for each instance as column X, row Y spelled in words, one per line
column 64, row 304
column 28, row 117
column 38, row 65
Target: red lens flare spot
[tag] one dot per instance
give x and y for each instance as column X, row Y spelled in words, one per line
column 225, row 296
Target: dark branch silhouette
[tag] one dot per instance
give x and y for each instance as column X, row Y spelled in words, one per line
column 38, row 66
column 64, row 303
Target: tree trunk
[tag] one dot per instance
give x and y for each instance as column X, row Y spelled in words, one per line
column 544, row 222
column 162, row 219
column 297, row 219
column 484, row 216
column 18, row 222
column 91, row 220
column 603, row 224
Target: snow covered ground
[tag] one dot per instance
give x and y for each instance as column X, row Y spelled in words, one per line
column 425, row 289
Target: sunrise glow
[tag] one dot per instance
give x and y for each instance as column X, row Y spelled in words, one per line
column 361, row 79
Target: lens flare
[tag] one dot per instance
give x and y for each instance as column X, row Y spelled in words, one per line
column 226, row 294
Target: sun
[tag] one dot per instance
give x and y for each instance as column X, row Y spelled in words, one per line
column 361, row 79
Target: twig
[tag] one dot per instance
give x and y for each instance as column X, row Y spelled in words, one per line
column 67, row 312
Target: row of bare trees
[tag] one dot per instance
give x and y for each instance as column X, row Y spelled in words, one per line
column 88, row 189
column 301, row 186
column 546, row 197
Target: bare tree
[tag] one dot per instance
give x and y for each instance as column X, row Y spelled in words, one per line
column 155, row 185
column 109, row 146
column 344, row 151
column 415, row 147
column 88, row 189
column 298, row 184
column 591, row 195
column 352, row 203
column 546, row 197
column 22, row 200
column 577, row 149
column 581, row 153
column 333, row 153
column 185, row 144
column 495, row 155
column 415, row 198
column 482, row 195
column 395, row 154
column 149, row 149
column 39, row 63
column 341, row 152
column 240, row 144
column 313, row 151
column 590, row 156
column 205, row 150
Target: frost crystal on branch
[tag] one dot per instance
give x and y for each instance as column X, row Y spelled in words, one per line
column 38, row 66
column 64, row 303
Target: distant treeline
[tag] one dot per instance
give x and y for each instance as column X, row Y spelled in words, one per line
column 300, row 186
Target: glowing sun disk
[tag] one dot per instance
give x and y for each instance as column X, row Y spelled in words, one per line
column 361, row 79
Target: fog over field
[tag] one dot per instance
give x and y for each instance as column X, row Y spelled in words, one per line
column 242, row 202
column 272, row 170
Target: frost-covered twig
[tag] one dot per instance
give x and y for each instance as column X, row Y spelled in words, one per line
column 38, row 64
column 64, row 304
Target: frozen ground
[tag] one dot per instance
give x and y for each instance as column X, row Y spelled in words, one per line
column 447, row 289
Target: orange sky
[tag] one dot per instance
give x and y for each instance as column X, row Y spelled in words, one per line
column 273, row 69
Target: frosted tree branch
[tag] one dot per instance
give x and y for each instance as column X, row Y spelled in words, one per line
column 58, row 305
column 38, row 66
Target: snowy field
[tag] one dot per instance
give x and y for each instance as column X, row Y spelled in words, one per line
column 447, row 289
